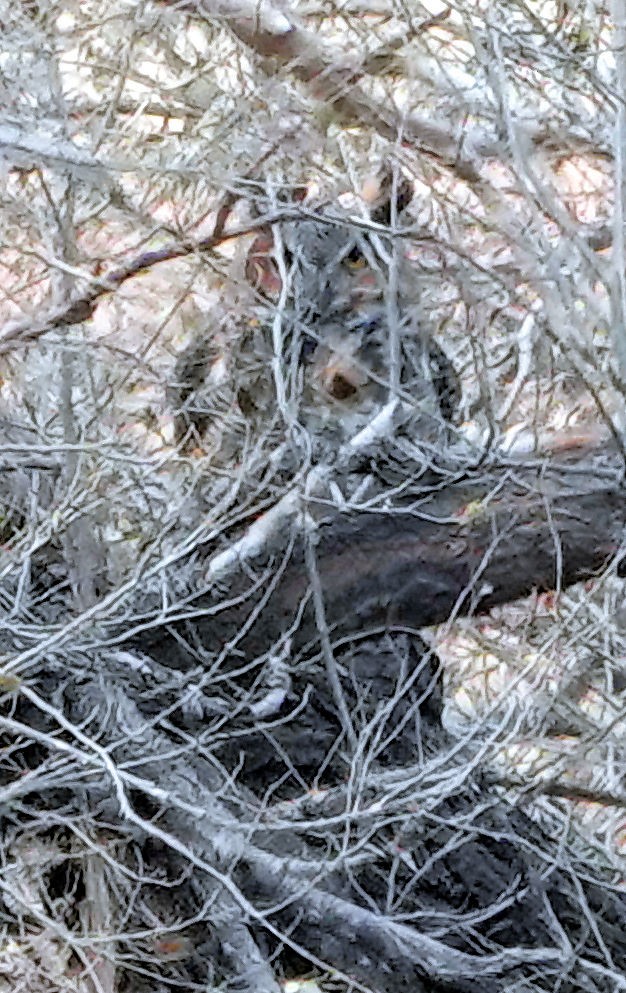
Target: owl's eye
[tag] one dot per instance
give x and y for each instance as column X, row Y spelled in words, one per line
column 355, row 259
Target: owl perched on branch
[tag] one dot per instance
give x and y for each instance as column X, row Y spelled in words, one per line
column 333, row 332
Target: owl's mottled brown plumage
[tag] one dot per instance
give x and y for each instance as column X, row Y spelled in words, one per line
column 334, row 332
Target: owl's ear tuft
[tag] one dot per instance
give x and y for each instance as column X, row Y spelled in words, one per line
column 378, row 191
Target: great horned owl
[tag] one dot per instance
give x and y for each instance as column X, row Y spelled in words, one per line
column 330, row 341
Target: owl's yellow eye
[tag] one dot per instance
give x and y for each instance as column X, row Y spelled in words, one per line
column 355, row 262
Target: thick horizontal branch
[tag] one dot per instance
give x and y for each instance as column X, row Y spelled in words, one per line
column 466, row 547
